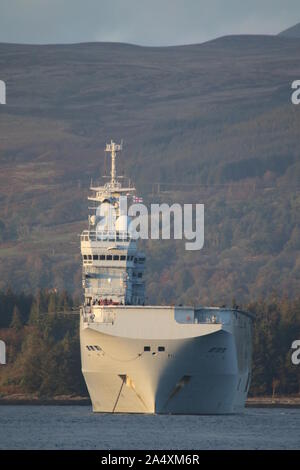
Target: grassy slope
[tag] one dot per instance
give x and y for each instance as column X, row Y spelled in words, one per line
column 293, row 32
column 216, row 114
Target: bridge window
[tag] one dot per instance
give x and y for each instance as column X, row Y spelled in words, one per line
column 95, row 257
column 147, row 348
column 109, row 257
column 116, row 257
column 102, row 257
column 122, row 258
column 89, row 256
column 84, row 257
column 161, row 348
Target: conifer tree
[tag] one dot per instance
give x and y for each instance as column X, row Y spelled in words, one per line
column 16, row 321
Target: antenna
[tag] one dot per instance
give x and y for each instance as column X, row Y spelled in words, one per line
column 113, row 148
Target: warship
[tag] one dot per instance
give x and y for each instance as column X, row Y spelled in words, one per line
column 139, row 358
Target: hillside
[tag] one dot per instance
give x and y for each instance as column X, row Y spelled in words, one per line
column 293, row 32
column 212, row 123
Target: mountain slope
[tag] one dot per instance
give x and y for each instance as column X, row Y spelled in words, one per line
column 293, row 32
column 212, row 123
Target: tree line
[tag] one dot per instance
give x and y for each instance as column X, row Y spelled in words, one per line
column 43, row 355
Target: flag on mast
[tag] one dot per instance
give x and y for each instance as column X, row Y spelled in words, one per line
column 137, row 200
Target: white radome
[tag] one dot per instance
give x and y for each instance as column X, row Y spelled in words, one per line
column 123, row 223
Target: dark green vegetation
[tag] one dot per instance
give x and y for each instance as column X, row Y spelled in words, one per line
column 43, row 355
column 213, row 123
column 43, row 348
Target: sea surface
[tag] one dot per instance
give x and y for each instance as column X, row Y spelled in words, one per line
column 76, row 427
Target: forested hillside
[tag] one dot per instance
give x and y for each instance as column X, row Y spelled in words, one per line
column 210, row 123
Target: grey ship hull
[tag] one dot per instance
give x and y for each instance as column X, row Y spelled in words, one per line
column 199, row 360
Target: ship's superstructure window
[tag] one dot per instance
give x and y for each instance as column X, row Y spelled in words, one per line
column 147, row 348
column 161, row 348
column 107, row 257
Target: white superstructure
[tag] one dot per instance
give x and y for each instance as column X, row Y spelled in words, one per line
column 151, row 359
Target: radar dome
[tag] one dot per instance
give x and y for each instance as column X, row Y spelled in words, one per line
column 122, row 223
column 106, row 214
column 93, row 219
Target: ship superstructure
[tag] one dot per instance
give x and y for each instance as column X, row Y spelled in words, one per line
column 113, row 268
column 139, row 358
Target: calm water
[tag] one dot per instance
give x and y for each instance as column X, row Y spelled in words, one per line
column 76, row 427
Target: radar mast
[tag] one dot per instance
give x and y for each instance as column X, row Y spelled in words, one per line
column 113, row 148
